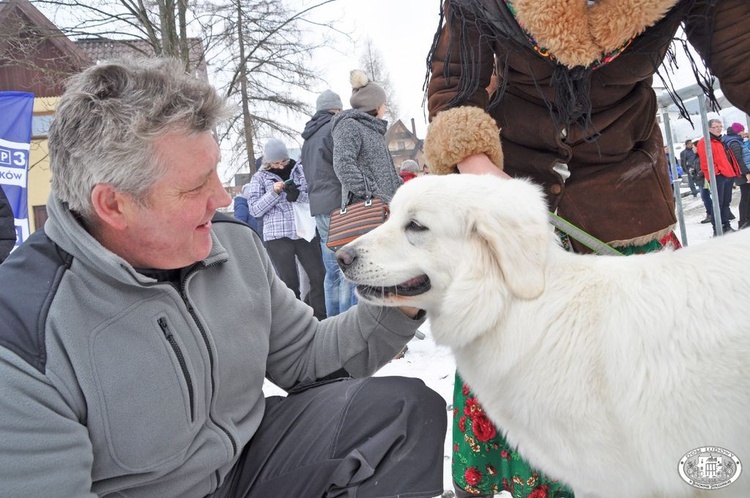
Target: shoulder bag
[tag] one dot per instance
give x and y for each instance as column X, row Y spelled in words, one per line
column 355, row 219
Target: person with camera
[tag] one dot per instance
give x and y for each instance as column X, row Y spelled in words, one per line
column 273, row 188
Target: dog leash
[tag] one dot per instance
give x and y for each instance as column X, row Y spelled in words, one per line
column 584, row 238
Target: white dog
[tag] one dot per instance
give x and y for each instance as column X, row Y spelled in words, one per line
column 596, row 366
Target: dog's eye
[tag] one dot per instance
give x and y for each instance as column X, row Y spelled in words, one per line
column 416, row 227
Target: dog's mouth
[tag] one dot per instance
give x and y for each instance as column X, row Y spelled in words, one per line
column 412, row 287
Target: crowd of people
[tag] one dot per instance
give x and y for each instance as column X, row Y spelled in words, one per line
column 730, row 156
column 344, row 159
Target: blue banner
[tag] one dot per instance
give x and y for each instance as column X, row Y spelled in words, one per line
column 16, row 111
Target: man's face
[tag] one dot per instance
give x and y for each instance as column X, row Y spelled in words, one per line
column 174, row 229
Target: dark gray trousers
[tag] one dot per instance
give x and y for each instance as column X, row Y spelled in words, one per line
column 372, row 437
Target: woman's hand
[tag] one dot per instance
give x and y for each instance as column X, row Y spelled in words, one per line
column 278, row 187
column 479, row 164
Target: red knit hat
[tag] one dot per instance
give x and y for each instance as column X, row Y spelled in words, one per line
column 737, row 127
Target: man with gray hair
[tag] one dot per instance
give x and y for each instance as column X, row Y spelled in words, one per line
column 139, row 326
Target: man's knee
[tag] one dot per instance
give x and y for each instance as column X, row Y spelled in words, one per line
column 411, row 397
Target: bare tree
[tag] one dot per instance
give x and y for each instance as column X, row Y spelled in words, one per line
column 259, row 52
column 268, row 69
column 372, row 63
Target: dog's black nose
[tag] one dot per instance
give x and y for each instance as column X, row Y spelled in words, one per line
column 345, row 257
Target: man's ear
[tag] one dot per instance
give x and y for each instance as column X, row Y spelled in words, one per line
column 110, row 205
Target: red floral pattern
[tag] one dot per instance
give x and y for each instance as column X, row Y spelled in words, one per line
column 473, row 476
column 483, row 429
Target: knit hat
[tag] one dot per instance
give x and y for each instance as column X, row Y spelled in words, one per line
column 410, row 166
column 275, row 150
column 366, row 95
column 737, row 127
column 328, row 100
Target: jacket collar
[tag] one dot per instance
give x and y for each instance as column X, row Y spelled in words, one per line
column 591, row 32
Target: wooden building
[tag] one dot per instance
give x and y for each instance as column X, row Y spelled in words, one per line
column 404, row 144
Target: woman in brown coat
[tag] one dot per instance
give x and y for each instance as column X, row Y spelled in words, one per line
column 577, row 112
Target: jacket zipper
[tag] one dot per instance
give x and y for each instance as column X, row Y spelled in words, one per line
column 181, row 360
column 191, row 310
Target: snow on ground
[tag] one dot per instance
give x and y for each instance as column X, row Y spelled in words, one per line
column 435, row 366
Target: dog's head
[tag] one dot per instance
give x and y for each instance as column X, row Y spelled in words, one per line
column 454, row 244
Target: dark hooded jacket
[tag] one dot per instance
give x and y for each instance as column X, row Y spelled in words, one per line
column 7, row 227
column 576, row 107
column 324, row 187
column 736, row 144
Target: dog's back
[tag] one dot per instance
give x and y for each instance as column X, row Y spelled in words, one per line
column 610, row 376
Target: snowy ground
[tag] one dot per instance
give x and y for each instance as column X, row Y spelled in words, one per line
column 435, row 365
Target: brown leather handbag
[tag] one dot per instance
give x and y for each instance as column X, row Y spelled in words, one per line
column 356, row 219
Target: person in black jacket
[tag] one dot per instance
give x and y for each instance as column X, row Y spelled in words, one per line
column 324, row 190
column 7, row 227
column 691, row 165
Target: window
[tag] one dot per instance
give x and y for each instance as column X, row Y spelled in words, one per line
column 40, row 216
column 40, row 125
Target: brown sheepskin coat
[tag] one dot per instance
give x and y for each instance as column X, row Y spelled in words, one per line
column 573, row 119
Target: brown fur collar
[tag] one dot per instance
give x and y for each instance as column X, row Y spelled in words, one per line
column 578, row 35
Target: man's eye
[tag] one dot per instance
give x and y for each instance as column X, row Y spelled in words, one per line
column 413, row 225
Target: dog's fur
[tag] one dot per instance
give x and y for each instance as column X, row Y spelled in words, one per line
column 603, row 370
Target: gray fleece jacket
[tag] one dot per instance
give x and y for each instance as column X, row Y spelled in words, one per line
column 359, row 151
column 112, row 383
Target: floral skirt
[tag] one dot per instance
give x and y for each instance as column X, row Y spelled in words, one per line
column 483, row 461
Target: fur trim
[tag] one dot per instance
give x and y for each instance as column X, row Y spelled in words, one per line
column 644, row 239
column 457, row 133
column 579, row 35
column 358, row 78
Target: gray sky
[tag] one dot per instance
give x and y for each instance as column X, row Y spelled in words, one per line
column 401, row 30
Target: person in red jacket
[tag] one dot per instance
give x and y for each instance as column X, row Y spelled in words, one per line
column 408, row 170
column 725, row 167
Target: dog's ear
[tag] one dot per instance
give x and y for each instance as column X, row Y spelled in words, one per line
column 520, row 246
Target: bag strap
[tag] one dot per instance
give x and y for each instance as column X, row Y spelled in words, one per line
column 347, row 199
column 584, row 238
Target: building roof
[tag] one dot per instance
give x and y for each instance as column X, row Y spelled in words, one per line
column 104, row 49
column 35, row 56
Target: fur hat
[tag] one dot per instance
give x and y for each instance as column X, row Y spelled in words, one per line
column 275, row 150
column 455, row 134
column 328, row 100
column 410, row 165
column 366, row 95
column 737, row 128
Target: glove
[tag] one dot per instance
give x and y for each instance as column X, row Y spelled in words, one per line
column 292, row 192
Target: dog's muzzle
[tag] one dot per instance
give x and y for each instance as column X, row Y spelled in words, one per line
column 415, row 286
